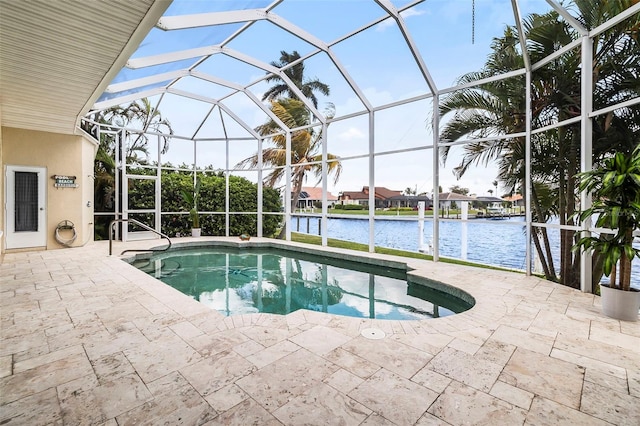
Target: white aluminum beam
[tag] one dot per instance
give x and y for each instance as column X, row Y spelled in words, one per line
column 586, row 154
column 270, row 68
column 260, row 200
column 568, row 17
column 483, row 81
column 164, row 58
column 555, row 55
column 127, row 98
column 372, row 183
column 238, row 120
column 556, row 125
column 325, row 170
column 624, row 104
column 204, row 120
column 216, row 80
column 191, row 95
column 350, row 81
column 615, row 20
column 214, row 102
column 287, row 188
column 266, row 110
column 393, row 12
column 145, row 81
column 181, row 22
column 296, row 31
column 521, row 35
column 435, row 123
column 489, row 139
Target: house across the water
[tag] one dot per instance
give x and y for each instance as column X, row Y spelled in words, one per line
column 384, row 198
column 311, row 197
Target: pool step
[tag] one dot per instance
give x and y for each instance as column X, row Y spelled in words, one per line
column 167, row 267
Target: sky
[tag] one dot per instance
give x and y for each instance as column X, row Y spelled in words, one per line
column 377, row 59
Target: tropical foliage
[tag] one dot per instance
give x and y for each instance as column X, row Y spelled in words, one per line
column 498, row 108
column 306, row 148
column 295, row 73
column 191, row 197
column 139, row 114
column 306, row 141
column 616, row 187
column 207, row 195
column 243, row 195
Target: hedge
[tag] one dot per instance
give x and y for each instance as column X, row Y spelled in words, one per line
column 349, row 207
column 243, row 196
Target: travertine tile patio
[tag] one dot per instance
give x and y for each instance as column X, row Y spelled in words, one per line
column 88, row 339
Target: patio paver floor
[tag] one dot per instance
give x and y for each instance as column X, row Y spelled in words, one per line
column 89, row 339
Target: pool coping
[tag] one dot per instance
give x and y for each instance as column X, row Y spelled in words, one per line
column 487, row 291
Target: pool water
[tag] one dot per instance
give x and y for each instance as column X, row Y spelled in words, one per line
column 280, row 282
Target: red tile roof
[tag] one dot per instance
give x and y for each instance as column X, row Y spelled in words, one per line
column 315, row 193
column 381, row 193
column 514, row 197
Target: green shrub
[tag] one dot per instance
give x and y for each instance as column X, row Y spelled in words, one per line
column 243, row 196
column 353, row 207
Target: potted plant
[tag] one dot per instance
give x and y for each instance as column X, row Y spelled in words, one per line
column 615, row 186
column 192, row 198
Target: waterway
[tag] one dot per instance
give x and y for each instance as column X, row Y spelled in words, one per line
column 490, row 242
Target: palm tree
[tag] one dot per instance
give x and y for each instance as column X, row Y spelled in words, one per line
column 411, row 191
column 498, row 108
column 296, row 74
column 306, row 145
column 140, row 114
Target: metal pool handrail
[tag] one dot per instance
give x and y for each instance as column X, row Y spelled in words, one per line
column 140, row 224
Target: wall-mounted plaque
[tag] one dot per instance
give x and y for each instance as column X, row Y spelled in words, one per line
column 62, row 181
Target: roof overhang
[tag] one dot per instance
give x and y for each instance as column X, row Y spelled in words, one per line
column 56, row 60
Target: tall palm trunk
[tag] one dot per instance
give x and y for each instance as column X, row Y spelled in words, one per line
column 550, row 272
column 543, row 260
column 570, row 263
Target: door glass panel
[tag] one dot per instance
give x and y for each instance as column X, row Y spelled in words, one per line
column 26, row 196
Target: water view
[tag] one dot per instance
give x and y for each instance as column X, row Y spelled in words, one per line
column 250, row 281
column 494, row 242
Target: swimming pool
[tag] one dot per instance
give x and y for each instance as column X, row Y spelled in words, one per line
column 242, row 281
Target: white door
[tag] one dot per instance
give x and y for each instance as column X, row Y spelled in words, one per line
column 25, row 213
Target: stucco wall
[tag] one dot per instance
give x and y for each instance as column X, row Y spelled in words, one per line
column 2, row 227
column 69, row 155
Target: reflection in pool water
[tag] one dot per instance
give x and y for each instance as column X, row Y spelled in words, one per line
column 250, row 281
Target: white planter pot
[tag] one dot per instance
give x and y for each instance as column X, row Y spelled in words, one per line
column 196, row 232
column 618, row 304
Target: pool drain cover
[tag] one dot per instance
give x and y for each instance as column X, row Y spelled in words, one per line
column 372, row 333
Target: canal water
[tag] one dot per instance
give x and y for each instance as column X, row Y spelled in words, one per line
column 491, row 242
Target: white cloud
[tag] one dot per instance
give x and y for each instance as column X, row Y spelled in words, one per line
column 352, row 133
column 414, row 12
column 387, row 23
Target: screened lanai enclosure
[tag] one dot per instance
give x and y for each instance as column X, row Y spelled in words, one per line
column 248, row 102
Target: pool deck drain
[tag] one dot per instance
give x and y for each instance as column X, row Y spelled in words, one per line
column 89, row 339
column 373, row 333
